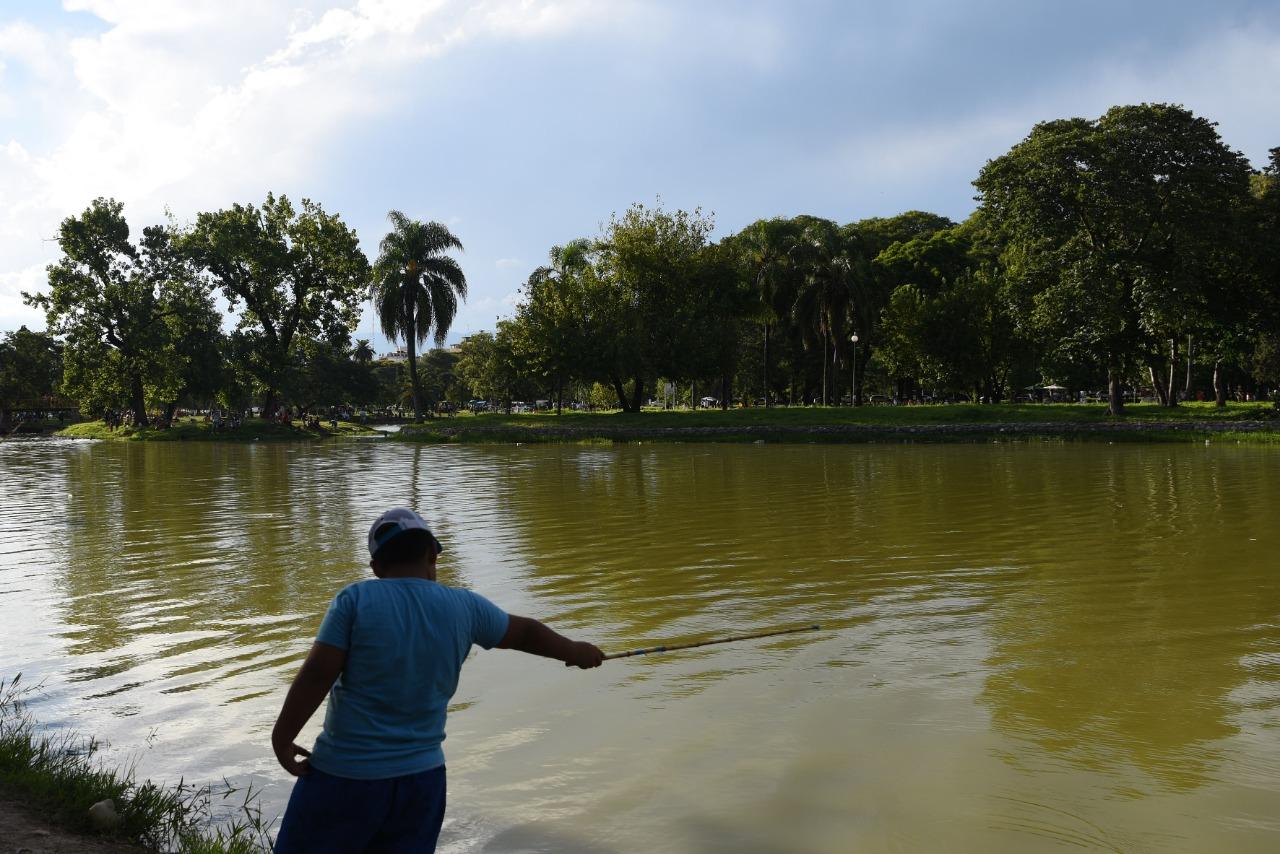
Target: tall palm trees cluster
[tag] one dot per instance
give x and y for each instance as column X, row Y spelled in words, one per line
column 818, row 274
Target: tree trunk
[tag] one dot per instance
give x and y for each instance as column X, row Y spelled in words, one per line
column 1220, row 390
column 1157, row 385
column 637, row 395
column 1115, row 399
column 1190, row 353
column 824, row 369
column 1171, row 398
column 168, row 413
column 413, row 375
column 693, row 394
column 620, row 392
column 725, row 392
column 269, row 403
column 766, row 364
column 559, row 393
column 137, row 401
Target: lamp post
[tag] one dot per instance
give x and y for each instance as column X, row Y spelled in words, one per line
column 853, row 386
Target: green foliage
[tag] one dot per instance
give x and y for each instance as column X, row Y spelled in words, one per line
column 555, row 332
column 653, row 271
column 492, row 368
column 1119, row 231
column 325, row 373
column 134, row 316
column 30, row 366
column 1101, row 246
column 416, row 288
column 441, row 383
column 60, row 776
column 291, row 274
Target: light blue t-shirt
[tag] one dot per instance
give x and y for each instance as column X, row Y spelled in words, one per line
column 406, row 639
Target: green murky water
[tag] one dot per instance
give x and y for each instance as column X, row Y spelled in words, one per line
column 1026, row 647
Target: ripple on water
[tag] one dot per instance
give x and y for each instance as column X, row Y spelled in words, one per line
column 1047, row 646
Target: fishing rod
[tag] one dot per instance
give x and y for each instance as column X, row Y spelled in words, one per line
column 674, row 647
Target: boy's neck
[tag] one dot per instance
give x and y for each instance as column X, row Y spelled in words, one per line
column 427, row 572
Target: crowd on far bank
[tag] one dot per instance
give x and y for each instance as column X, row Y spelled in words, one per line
column 222, row 419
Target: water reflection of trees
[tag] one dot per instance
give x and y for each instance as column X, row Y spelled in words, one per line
column 1122, row 646
column 207, row 554
column 689, row 540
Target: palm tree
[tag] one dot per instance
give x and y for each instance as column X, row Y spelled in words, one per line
column 363, row 351
column 416, row 287
column 768, row 246
column 826, row 297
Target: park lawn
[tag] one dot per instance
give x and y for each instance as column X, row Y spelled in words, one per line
column 934, row 423
column 871, row 416
column 199, row 430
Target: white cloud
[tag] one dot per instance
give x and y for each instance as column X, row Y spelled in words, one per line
column 198, row 104
column 508, row 263
column 12, row 308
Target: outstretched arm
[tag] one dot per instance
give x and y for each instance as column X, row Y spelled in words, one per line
column 531, row 636
column 323, row 665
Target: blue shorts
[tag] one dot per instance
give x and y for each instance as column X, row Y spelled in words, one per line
column 338, row 814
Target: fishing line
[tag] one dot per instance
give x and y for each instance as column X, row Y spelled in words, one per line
column 673, row 647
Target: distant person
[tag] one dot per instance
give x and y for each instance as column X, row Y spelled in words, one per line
column 388, row 655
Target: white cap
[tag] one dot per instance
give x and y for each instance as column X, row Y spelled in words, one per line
column 400, row 519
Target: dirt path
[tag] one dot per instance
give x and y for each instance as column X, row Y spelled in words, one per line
column 24, row 832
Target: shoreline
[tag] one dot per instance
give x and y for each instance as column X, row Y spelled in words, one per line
column 28, row 830
column 1251, row 423
column 1252, row 432
column 253, row 430
column 53, row 787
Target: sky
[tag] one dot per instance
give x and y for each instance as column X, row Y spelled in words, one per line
column 522, row 124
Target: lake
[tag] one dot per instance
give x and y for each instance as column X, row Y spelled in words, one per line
column 1023, row 646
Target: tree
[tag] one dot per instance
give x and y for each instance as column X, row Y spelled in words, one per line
column 1265, row 243
column 363, row 352
column 766, row 249
column 440, row 380
column 416, row 287
column 30, row 369
column 197, row 362
column 324, row 373
column 1112, row 228
column 867, row 240
column 554, row 317
column 907, row 324
column 648, row 267
column 723, row 302
column 824, row 304
column 949, row 318
column 489, row 364
column 291, row 274
column 119, row 307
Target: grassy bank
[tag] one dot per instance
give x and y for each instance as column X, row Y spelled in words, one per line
column 58, row 777
column 1243, row 422
column 198, row 430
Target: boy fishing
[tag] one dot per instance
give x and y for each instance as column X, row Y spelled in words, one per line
column 387, row 655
